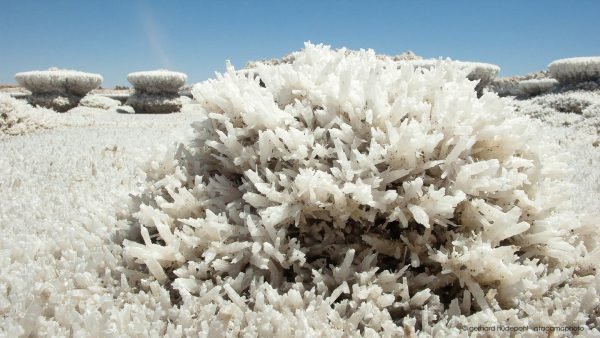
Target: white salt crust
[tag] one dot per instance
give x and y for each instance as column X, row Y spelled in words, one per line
column 58, row 265
column 17, row 117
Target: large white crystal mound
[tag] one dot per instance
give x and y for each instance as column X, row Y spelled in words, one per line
column 578, row 69
column 388, row 192
column 157, row 81
column 59, row 80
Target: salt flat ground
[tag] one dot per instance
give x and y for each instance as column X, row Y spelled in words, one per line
column 60, row 190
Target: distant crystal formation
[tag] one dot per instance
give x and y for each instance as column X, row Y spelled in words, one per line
column 535, row 87
column 578, row 69
column 156, row 92
column 58, row 89
column 483, row 73
column 509, row 86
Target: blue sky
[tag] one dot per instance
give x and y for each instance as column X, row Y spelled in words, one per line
column 114, row 38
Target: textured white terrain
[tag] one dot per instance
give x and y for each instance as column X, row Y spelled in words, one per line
column 68, row 182
column 61, row 186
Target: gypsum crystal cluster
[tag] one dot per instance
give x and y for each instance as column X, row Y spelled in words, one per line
column 339, row 194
